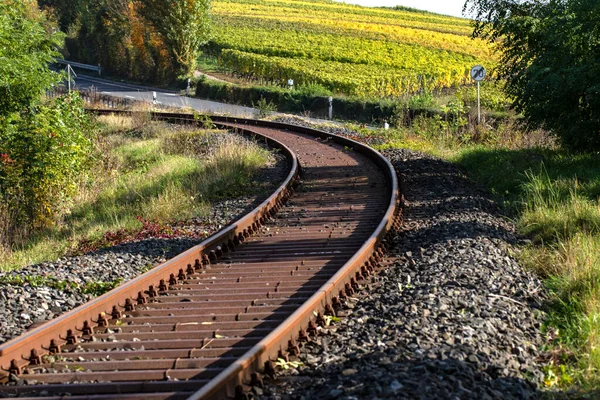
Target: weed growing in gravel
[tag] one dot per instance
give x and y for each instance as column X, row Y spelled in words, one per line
column 99, row 288
column 264, row 108
column 281, row 363
column 37, row 281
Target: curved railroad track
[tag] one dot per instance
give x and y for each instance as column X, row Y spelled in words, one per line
column 212, row 320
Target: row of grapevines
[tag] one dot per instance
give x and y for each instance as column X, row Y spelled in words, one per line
column 354, row 79
column 335, row 8
column 354, row 50
column 296, row 33
column 343, row 12
column 327, row 47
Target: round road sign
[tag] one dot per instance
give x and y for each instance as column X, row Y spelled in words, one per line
column 478, row 73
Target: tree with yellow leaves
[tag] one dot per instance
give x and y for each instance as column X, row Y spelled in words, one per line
column 184, row 26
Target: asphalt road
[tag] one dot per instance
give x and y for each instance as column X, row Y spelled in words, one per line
column 163, row 97
column 171, row 98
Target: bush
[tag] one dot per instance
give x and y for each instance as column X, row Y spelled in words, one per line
column 423, row 100
column 263, row 108
column 43, row 147
column 42, row 153
column 314, row 98
column 311, row 97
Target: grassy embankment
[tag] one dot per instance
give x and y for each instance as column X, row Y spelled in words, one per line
column 556, row 198
column 553, row 197
column 145, row 171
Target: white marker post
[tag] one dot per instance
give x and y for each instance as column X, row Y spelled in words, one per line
column 69, row 71
column 330, row 107
column 291, row 83
column 153, row 97
column 478, row 74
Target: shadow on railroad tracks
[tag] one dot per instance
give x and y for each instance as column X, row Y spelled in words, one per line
column 312, row 253
column 293, row 300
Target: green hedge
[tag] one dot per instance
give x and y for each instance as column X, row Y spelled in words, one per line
column 312, row 98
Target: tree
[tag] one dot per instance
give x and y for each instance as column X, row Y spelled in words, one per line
column 550, row 59
column 184, row 26
column 146, row 40
column 67, row 10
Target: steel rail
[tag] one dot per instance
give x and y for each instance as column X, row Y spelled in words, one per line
column 317, row 297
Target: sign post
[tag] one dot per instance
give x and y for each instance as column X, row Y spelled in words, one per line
column 478, row 74
column 291, row 83
column 330, row 107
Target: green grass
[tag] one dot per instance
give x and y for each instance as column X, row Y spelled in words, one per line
column 208, row 64
column 554, row 198
column 147, row 172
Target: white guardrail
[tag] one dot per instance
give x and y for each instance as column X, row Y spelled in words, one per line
column 74, row 64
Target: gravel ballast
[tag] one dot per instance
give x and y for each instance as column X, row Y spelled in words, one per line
column 36, row 293
column 453, row 316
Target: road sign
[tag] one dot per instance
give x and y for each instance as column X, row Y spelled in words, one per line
column 478, row 73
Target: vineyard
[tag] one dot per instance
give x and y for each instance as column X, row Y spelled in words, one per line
column 353, row 50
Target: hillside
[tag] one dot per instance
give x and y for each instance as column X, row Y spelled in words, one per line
column 348, row 49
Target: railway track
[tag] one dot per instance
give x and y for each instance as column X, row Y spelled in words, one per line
column 209, row 322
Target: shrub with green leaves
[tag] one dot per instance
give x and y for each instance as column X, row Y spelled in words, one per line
column 25, row 50
column 43, row 154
